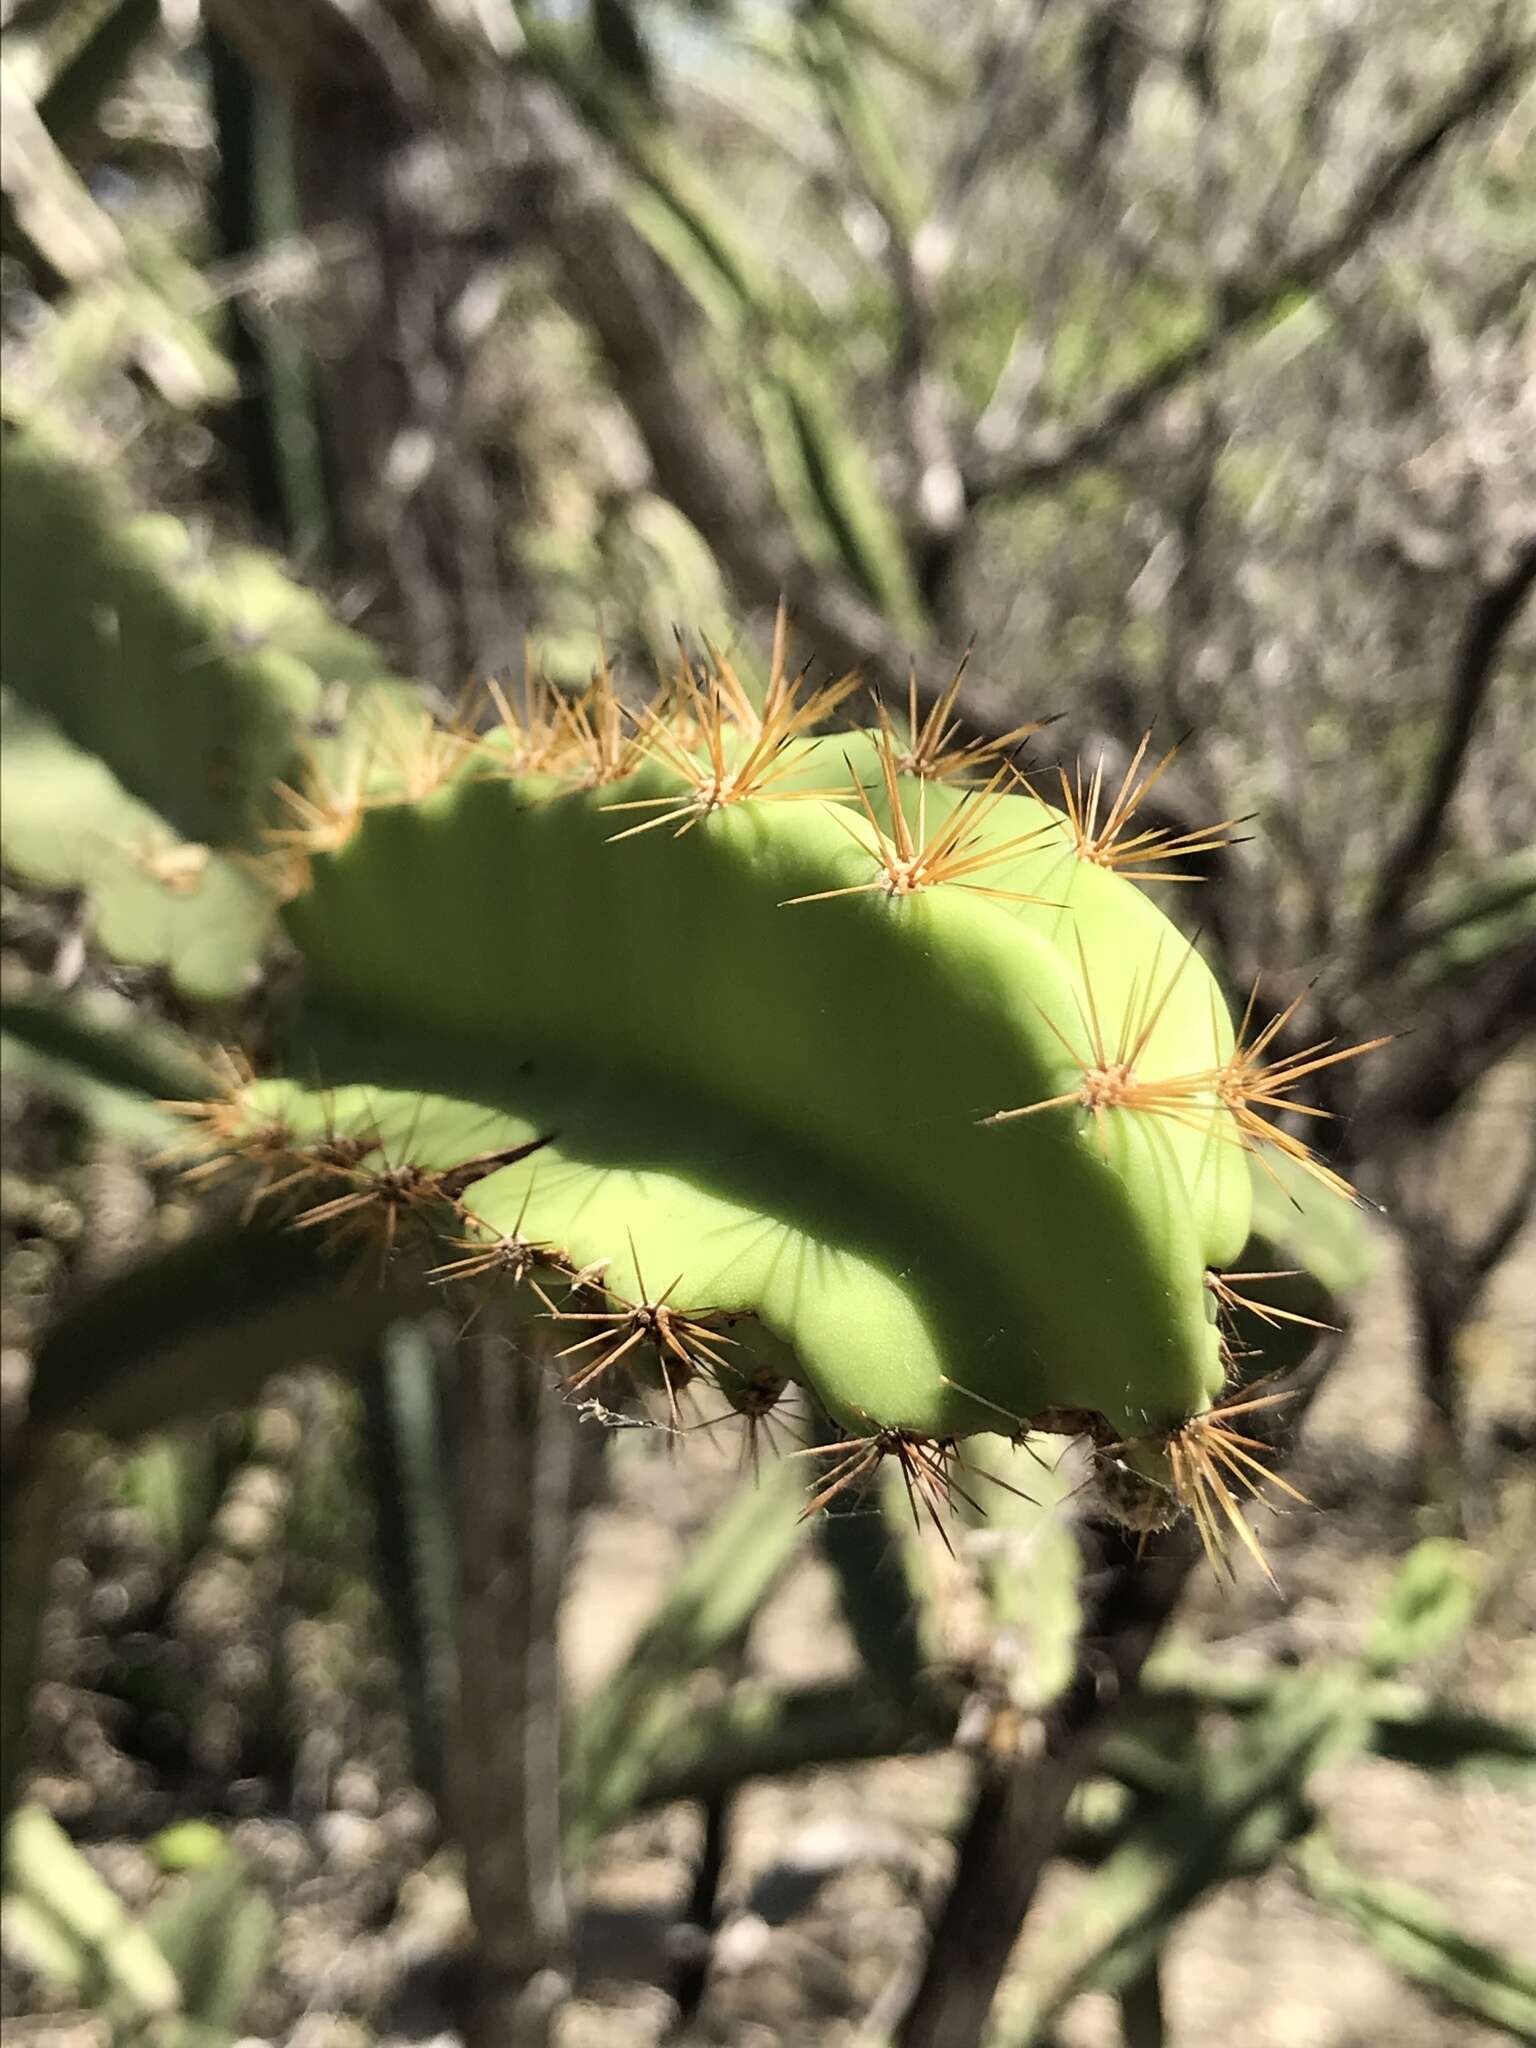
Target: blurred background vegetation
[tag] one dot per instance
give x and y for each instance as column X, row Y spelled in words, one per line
column 1183, row 358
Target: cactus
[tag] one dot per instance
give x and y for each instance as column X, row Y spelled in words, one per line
column 157, row 899
column 756, row 1054
column 1410, row 1932
column 182, row 1974
column 759, row 1055
column 160, row 694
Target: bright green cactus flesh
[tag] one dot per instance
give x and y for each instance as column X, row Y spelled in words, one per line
column 758, row 1057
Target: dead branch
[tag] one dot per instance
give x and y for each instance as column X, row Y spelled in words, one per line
column 1007, row 462
column 1492, row 614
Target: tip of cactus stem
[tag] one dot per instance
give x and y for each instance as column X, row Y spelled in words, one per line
column 955, row 854
column 935, row 750
column 1107, row 842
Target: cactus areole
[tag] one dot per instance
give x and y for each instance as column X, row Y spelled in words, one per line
column 758, row 1054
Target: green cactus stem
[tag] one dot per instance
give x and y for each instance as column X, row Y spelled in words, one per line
column 757, row 1057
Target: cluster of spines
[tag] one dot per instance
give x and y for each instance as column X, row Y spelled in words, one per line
column 1252, row 1088
column 368, row 1197
column 727, row 750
